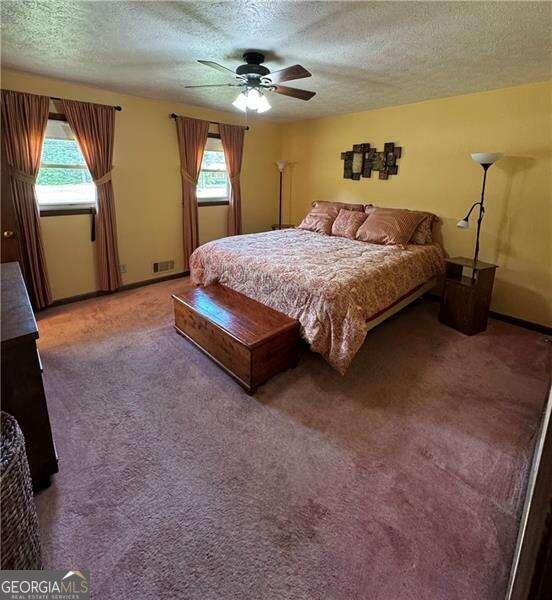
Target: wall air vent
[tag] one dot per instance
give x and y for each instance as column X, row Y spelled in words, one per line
column 164, row 265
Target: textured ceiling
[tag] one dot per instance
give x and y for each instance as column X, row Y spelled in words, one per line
column 362, row 54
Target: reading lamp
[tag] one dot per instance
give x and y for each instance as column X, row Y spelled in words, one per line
column 485, row 159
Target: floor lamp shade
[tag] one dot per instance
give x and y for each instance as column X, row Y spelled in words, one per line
column 486, row 158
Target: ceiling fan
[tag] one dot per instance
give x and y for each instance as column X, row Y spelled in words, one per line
column 255, row 79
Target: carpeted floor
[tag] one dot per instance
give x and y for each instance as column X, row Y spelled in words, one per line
column 401, row 480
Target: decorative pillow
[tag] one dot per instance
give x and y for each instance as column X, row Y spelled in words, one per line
column 347, row 223
column 389, row 226
column 323, row 214
column 319, row 220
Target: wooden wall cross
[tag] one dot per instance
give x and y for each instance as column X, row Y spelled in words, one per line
column 362, row 160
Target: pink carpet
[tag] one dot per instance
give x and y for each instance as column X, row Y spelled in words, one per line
column 401, row 480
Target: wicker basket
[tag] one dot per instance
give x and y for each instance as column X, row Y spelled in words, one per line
column 20, row 542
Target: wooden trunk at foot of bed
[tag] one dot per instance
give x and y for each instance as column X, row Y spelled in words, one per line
column 249, row 340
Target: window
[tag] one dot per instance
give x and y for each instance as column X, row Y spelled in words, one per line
column 64, row 182
column 213, row 186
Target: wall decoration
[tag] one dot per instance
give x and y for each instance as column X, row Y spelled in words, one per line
column 347, row 165
column 363, row 159
column 354, row 160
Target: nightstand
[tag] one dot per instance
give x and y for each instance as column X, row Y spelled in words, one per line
column 466, row 299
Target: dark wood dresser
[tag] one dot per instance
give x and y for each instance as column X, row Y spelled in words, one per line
column 22, row 389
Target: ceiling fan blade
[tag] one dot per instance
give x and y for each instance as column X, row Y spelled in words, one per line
column 213, row 85
column 289, row 73
column 222, row 69
column 294, row 92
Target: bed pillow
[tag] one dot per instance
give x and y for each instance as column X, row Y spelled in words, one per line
column 389, row 226
column 322, row 215
column 335, row 207
column 423, row 233
column 347, row 223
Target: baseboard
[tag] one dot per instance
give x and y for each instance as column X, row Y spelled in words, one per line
column 137, row 284
column 77, row 298
column 123, row 288
column 521, row 322
column 506, row 318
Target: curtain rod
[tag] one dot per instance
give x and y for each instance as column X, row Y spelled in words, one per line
column 56, row 98
column 117, row 107
column 246, row 127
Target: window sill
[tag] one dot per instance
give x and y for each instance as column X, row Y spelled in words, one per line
column 62, row 211
column 217, row 202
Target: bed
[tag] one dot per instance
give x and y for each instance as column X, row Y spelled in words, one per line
column 337, row 288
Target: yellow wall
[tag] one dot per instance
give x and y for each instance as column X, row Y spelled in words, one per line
column 147, row 187
column 437, row 174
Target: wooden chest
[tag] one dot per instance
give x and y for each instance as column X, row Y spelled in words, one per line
column 249, row 340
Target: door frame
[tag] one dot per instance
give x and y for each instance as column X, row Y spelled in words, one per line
column 531, row 571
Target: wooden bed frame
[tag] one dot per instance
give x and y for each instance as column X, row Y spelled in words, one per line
column 402, row 302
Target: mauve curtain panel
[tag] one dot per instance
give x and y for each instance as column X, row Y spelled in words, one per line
column 231, row 137
column 24, row 119
column 192, row 138
column 94, row 128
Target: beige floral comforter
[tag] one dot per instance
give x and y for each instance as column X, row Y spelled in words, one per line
column 332, row 285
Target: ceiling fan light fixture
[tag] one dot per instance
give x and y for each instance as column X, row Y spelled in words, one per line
column 241, row 102
column 263, row 105
column 253, row 99
column 254, row 79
